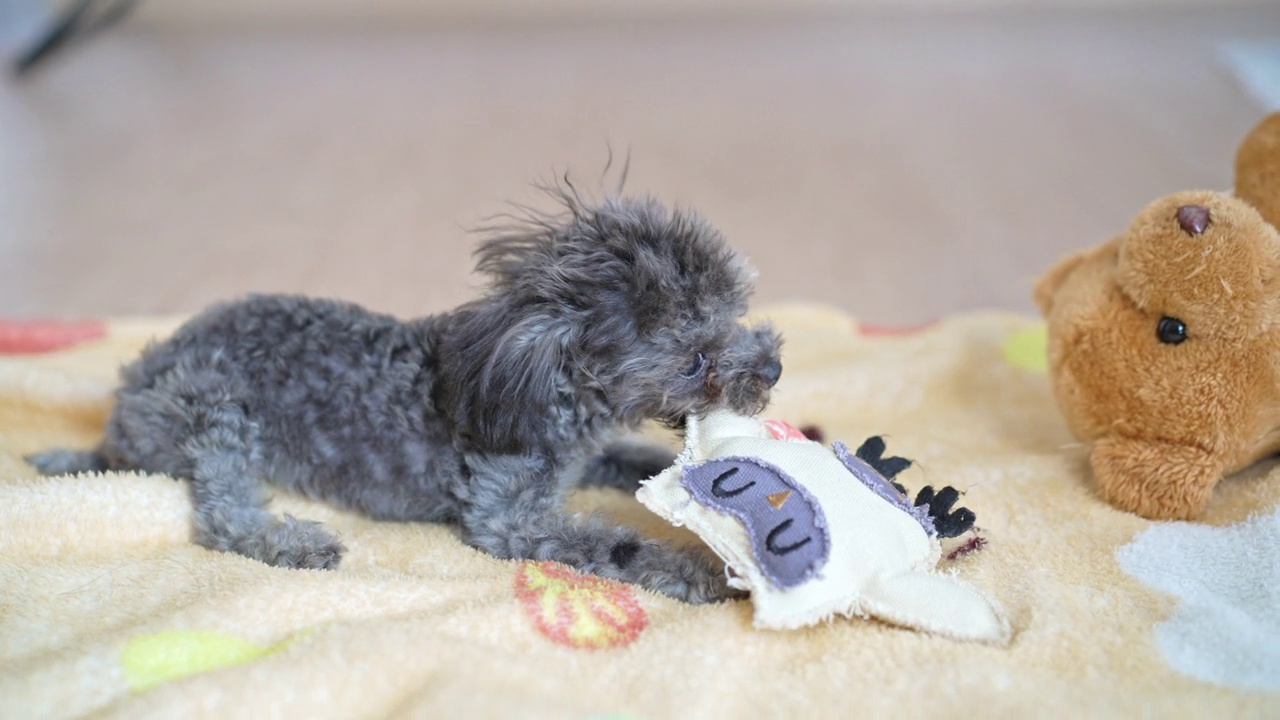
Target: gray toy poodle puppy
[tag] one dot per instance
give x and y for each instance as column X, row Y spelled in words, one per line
column 594, row 321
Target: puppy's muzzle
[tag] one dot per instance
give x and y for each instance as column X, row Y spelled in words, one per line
column 770, row 373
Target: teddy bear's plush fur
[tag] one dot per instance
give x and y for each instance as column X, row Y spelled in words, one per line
column 1164, row 343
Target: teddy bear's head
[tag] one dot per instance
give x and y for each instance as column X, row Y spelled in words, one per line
column 1164, row 343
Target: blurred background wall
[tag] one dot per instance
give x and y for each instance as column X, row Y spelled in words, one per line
column 290, row 10
column 899, row 160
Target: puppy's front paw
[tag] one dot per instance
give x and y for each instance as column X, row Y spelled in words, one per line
column 295, row 544
column 685, row 574
column 711, row 588
column 624, row 466
column 66, row 462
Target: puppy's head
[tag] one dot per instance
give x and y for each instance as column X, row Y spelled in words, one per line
column 616, row 312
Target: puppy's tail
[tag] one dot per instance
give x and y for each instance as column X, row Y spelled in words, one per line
column 66, row 462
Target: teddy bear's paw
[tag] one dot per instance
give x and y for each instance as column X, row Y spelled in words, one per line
column 1157, row 480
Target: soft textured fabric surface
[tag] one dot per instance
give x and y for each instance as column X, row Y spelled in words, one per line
column 106, row 607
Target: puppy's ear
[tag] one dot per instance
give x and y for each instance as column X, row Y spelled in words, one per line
column 517, row 253
column 508, row 376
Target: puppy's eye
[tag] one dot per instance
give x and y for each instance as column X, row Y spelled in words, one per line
column 696, row 367
column 1171, row 330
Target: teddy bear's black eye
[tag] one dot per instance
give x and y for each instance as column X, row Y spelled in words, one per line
column 695, row 368
column 1171, row 330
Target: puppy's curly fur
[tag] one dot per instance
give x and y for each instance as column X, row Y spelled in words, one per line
column 595, row 321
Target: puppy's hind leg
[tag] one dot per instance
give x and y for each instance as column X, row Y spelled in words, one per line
column 513, row 510
column 229, row 507
column 192, row 425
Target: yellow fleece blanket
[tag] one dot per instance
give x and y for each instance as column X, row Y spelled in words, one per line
column 107, row 609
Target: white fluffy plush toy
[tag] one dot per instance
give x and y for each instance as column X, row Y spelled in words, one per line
column 813, row 531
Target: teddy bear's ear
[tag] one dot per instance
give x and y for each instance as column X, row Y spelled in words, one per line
column 1258, row 169
column 1048, row 284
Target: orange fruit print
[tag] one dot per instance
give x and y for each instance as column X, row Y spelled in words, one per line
column 579, row 611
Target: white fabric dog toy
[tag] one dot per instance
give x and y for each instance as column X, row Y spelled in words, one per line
column 812, row 532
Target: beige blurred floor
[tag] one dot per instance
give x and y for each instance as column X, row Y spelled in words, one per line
column 899, row 168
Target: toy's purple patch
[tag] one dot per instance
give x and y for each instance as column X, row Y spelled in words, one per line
column 787, row 527
column 882, row 487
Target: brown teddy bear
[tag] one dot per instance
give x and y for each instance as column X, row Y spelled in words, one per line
column 1164, row 343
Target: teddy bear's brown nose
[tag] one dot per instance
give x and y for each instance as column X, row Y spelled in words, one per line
column 1193, row 219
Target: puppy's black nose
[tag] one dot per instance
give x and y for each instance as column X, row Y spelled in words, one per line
column 771, row 372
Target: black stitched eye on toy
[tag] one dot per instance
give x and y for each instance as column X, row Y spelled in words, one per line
column 1171, row 330
column 718, row 489
column 695, row 368
column 771, row 542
